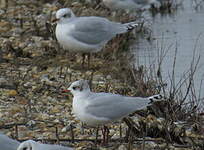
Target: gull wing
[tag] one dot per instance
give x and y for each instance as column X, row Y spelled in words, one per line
column 113, row 106
column 95, row 30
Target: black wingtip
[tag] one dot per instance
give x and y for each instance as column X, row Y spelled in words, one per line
column 154, row 98
column 131, row 26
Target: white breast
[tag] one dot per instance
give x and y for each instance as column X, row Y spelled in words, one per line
column 79, row 109
column 64, row 37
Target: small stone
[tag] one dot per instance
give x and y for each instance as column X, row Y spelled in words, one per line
column 2, row 80
column 12, row 92
column 31, row 123
column 108, row 77
column 122, row 147
column 27, row 84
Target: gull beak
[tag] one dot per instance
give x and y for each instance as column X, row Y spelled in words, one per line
column 65, row 91
column 55, row 20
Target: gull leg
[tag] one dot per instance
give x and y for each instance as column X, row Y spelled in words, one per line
column 83, row 59
column 82, row 128
column 89, row 58
column 105, row 134
column 96, row 140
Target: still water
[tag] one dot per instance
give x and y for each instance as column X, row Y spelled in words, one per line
column 182, row 30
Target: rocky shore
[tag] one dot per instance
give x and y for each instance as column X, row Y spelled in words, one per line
column 34, row 69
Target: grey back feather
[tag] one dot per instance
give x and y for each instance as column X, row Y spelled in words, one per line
column 113, row 107
column 95, row 30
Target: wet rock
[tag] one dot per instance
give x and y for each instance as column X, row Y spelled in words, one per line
column 122, row 147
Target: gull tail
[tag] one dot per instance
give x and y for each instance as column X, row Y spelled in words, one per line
column 155, row 98
column 131, row 25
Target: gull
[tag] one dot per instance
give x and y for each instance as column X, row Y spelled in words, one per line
column 97, row 109
column 7, row 143
column 129, row 5
column 87, row 34
column 32, row 145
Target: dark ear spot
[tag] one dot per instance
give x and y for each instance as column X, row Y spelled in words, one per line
column 67, row 15
column 77, row 87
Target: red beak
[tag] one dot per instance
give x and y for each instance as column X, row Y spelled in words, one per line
column 65, row 91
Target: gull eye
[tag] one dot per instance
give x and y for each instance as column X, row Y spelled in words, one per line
column 25, row 148
column 66, row 15
column 74, row 87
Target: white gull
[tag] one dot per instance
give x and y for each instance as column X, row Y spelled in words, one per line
column 100, row 108
column 86, row 34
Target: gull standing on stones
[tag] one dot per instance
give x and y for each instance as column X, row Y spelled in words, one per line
column 96, row 109
column 86, row 34
column 7, row 143
column 32, row 145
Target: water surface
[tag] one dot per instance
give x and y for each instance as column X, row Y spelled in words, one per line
column 182, row 30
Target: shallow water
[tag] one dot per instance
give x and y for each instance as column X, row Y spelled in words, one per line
column 182, row 30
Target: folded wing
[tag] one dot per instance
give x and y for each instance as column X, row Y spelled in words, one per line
column 113, row 107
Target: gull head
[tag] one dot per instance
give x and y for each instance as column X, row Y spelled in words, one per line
column 64, row 14
column 79, row 86
column 27, row 145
